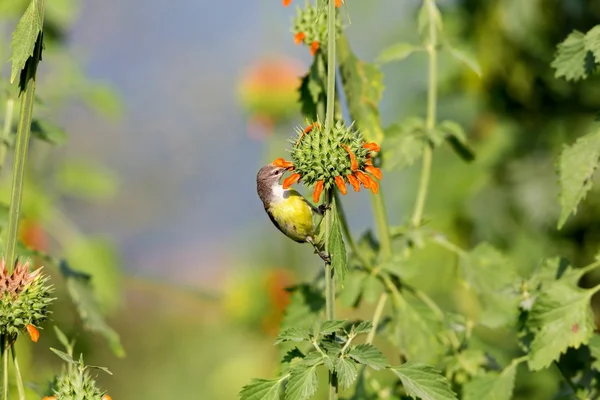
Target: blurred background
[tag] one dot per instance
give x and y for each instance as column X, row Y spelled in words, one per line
column 169, row 110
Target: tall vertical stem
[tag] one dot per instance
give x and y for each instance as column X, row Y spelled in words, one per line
column 8, row 117
column 329, row 121
column 20, row 386
column 23, row 131
column 431, row 114
column 4, row 367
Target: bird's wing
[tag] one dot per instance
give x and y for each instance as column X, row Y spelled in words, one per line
column 274, row 221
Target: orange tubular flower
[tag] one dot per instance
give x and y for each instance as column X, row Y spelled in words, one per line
column 372, row 147
column 280, row 162
column 290, row 180
column 376, row 172
column 318, row 191
column 299, row 37
column 364, row 179
column 339, row 181
column 314, row 47
column 337, row 2
column 353, row 162
column 374, row 186
column 354, row 182
column 287, row 2
column 49, row 398
column 107, row 397
column 34, row 334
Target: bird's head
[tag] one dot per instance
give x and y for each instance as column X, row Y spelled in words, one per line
column 270, row 174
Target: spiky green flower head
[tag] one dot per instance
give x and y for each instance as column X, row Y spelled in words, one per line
column 326, row 157
column 24, row 299
column 310, row 27
column 76, row 384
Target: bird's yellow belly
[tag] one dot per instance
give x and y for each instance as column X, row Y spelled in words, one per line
column 294, row 218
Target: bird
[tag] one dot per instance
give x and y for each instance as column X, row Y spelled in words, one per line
column 289, row 211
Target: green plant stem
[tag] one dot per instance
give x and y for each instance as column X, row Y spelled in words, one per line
column 377, row 317
column 5, row 367
column 348, row 235
column 383, row 229
column 431, row 117
column 22, row 143
column 331, row 40
column 18, row 376
column 8, row 117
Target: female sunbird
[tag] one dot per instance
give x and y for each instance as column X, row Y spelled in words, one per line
column 289, row 211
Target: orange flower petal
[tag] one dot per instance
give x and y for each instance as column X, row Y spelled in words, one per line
column 374, row 186
column 339, row 181
column 280, row 162
column 314, row 47
column 353, row 162
column 372, row 147
column 107, row 397
column 290, row 180
column 34, row 334
column 308, row 128
column 287, row 2
column 338, row 3
column 299, row 37
column 49, row 398
column 354, row 182
column 318, row 191
column 376, row 172
column 364, row 179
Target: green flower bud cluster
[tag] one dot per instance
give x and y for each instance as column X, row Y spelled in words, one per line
column 24, row 299
column 321, row 154
column 76, row 384
column 310, row 26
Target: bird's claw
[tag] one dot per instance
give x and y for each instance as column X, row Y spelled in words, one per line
column 323, row 207
column 325, row 257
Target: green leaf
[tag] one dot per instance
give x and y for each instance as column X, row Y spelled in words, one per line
column 363, row 327
column 293, row 335
column 457, row 138
column 424, row 382
column 350, row 296
column 48, row 132
column 62, row 338
column 363, row 86
column 465, row 58
column 576, row 55
column 103, row 369
column 594, row 345
column 303, row 382
column 84, row 180
column 25, row 36
column 82, row 294
column 291, row 355
column 576, row 166
column 429, row 14
column 403, row 144
column 397, row 52
column 369, row 355
column 561, row 317
column 329, row 327
column 337, row 249
column 64, row 356
column 261, row 389
column 312, row 92
column 346, row 372
column 304, row 309
column 492, row 385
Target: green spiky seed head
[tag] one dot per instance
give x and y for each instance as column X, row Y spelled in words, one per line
column 76, row 384
column 24, row 298
column 321, row 154
column 310, row 25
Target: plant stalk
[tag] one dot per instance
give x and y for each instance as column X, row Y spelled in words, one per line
column 5, row 367
column 8, row 117
column 431, row 118
column 383, row 228
column 22, row 143
column 20, row 386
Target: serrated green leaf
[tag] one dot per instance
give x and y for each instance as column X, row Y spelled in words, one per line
column 576, row 166
column 397, row 52
column 424, row 382
column 337, row 249
column 561, row 318
column 48, row 132
column 261, row 389
column 64, row 356
column 25, row 36
column 303, row 383
column 492, row 385
column 363, row 86
column 293, row 335
column 304, row 309
column 291, row 355
column 403, row 144
column 346, row 372
column 82, row 294
column 594, row 345
column 369, row 355
column 575, row 56
column 329, row 327
column 466, row 58
column 363, row 327
column 592, row 42
column 457, row 138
